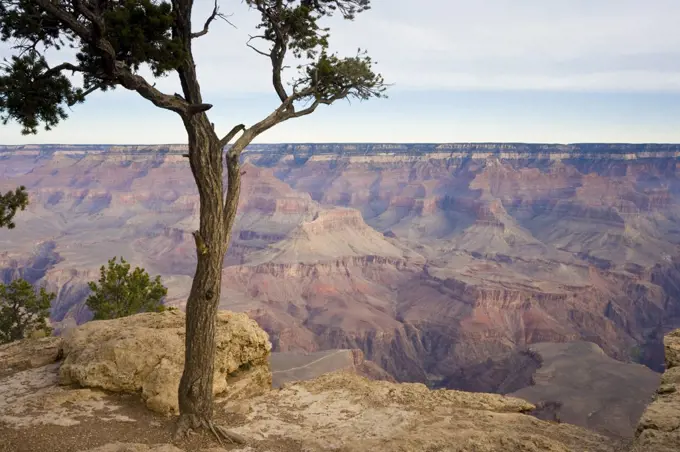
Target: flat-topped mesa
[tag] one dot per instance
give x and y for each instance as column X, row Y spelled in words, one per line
column 333, row 220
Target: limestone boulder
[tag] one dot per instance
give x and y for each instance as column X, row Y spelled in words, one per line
column 145, row 353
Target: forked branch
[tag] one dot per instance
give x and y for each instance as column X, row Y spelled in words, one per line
column 255, row 48
column 342, row 95
column 230, row 136
column 216, row 14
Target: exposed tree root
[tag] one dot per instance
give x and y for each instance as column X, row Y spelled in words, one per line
column 189, row 423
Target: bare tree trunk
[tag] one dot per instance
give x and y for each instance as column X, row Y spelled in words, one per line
column 212, row 241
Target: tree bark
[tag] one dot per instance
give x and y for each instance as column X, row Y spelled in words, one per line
column 212, row 241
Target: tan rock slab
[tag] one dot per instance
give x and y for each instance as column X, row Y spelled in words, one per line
column 29, row 354
column 343, row 411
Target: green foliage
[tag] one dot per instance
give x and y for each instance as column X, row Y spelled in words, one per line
column 10, row 202
column 335, row 78
column 32, row 94
column 139, row 32
column 298, row 21
column 22, row 311
column 325, row 77
column 114, row 39
column 27, row 23
column 121, row 293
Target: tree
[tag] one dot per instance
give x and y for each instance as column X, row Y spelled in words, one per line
column 114, row 39
column 22, row 310
column 10, row 202
column 121, row 293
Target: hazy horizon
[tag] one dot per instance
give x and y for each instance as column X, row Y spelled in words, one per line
column 424, row 143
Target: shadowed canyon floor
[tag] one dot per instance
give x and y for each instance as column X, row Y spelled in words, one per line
column 429, row 259
column 571, row 382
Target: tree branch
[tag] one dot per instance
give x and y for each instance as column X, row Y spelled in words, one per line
column 319, row 101
column 228, row 137
column 61, row 67
column 277, row 56
column 255, row 48
column 233, row 190
column 119, row 70
column 88, row 13
column 10, row 202
column 137, row 83
column 87, row 92
column 181, row 31
column 70, row 21
column 282, row 113
column 278, row 53
column 215, row 15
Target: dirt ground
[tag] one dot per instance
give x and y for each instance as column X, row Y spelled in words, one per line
column 92, row 432
column 143, row 427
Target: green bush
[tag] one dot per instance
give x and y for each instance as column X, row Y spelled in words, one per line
column 121, row 293
column 23, row 311
column 10, row 202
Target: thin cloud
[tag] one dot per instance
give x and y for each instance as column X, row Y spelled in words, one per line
column 431, row 47
column 484, row 44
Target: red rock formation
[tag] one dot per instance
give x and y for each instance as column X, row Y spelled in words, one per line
column 426, row 263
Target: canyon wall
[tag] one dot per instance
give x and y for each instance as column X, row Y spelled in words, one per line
column 430, row 258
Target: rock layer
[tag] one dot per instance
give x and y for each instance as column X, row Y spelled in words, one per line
column 429, row 258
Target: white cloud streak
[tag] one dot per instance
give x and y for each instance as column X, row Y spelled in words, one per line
column 627, row 45
column 583, row 45
column 624, row 46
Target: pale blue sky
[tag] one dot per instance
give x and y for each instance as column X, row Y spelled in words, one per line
column 482, row 70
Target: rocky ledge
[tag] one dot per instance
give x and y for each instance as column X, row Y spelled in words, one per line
column 659, row 427
column 82, row 393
